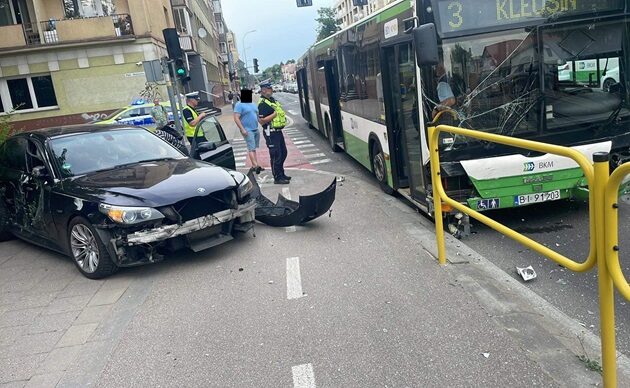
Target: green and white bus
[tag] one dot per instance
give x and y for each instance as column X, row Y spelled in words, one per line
column 498, row 66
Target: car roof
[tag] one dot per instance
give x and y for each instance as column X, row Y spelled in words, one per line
column 53, row 132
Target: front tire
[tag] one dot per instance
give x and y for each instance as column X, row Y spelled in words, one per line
column 88, row 251
column 379, row 167
column 608, row 82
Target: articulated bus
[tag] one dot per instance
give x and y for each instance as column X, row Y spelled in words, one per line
column 532, row 69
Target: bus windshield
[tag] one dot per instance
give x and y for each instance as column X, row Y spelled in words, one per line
column 536, row 81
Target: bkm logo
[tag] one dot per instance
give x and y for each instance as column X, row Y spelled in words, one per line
column 529, row 166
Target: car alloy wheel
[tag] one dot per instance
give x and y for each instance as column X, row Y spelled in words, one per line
column 84, row 248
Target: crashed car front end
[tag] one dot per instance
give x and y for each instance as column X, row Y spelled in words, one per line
column 142, row 235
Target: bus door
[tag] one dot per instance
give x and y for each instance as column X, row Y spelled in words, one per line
column 303, row 94
column 403, row 124
column 332, row 75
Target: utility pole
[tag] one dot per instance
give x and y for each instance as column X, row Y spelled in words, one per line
column 171, row 95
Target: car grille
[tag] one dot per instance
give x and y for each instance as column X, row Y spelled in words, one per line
column 201, row 206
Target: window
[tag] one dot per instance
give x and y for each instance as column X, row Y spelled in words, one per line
column 133, row 113
column 20, row 94
column 88, row 8
column 181, row 20
column 34, row 92
column 211, row 131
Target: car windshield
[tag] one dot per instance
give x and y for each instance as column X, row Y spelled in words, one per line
column 89, row 152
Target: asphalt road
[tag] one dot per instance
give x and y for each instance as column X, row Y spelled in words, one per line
column 562, row 226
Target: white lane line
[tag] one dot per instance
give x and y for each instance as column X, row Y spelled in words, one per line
column 301, row 142
column 315, row 155
column 294, row 278
column 305, row 145
column 303, row 376
column 292, row 112
column 240, row 153
column 240, row 165
column 239, row 158
column 298, row 138
column 287, row 194
column 320, row 161
column 311, row 151
column 237, row 140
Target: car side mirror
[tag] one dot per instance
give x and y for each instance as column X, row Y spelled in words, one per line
column 40, row 172
column 206, row 146
column 426, row 45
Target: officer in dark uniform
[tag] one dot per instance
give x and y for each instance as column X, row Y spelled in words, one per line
column 273, row 119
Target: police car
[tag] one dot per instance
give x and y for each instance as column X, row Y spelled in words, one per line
column 138, row 113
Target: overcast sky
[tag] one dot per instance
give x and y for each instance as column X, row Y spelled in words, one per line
column 283, row 31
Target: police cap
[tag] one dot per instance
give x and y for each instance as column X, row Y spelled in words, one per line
column 266, row 85
column 193, row 96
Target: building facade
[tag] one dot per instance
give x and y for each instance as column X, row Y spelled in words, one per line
column 233, row 59
column 347, row 13
column 71, row 61
column 288, row 72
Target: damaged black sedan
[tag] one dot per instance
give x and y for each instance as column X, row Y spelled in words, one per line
column 111, row 196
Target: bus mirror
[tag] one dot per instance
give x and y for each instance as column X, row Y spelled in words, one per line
column 425, row 40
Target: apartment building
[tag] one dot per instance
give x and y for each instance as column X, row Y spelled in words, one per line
column 233, row 58
column 71, row 61
column 347, row 13
column 224, row 51
column 198, row 31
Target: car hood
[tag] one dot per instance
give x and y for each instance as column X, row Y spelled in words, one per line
column 151, row 184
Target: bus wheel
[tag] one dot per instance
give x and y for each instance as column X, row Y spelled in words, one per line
column 379, row 168
column 331, row 137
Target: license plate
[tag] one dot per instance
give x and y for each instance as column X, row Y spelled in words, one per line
column 520, row 200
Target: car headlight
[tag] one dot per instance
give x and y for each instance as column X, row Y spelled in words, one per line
column 245, row 188
column 130, row 215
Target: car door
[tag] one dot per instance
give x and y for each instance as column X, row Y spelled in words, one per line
column 12, row 168
column 215, row 148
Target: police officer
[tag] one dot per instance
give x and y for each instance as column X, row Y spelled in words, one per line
column 191, row 117
column 273, row 119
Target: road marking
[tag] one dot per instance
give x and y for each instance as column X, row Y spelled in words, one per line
column 240, row 153
column 298, row 138
column 301, row 142
column 292, row 112
column 239, row 158
column 319, row 155
column 240, row 165
column 320, row 161
column 238, row 140
column 294, row 278
column 303, row 376
column 305, row 145
column 287, row 194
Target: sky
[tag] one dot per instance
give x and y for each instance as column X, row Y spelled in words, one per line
column 283, row 31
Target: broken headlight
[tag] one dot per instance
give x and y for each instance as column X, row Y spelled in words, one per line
column 130, row 215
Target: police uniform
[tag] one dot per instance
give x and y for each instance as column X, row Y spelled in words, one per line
column 273, row 135
column 190, row 114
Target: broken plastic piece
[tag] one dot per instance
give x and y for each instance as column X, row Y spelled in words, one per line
column 526, row 273
column 290, row 213
column 486, row 355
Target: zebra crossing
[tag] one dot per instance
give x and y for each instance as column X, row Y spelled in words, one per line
column 296, row 141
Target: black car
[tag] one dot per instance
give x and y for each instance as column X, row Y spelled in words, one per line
column 117, row 196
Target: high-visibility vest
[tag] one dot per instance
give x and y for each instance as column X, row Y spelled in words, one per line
column 189, row 130
column 281, row 118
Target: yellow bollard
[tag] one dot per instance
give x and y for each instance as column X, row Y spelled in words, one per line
column 437, row 200
column 606, row 290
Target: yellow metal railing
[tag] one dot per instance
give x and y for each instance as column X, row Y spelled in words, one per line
column 603, row 250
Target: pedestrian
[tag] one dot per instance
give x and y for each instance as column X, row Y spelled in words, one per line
column 445, row 93
column 246, row 119
column 191, row 117
column 273, row 119
column 159, row 114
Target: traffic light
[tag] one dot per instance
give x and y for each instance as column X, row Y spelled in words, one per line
column 232, row 76
column 255, row 65
column 305, row 3
column 180, row 71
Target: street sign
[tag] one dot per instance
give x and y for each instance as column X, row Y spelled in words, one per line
column 153, row 70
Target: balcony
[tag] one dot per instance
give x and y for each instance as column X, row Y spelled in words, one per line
column 180, row 3
column 187, row 43
column 62, row 31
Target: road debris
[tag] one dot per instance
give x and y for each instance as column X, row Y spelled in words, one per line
column 527, row 273
column 486, row 355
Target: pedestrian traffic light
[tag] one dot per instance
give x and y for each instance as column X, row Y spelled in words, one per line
column 255, row 65
column 304, row 3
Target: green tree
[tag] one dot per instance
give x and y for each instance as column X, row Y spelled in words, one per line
column 328, row 25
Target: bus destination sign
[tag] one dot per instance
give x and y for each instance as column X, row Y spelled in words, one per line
column 464, row 15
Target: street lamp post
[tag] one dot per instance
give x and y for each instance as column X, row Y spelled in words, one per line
column 245, row 51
